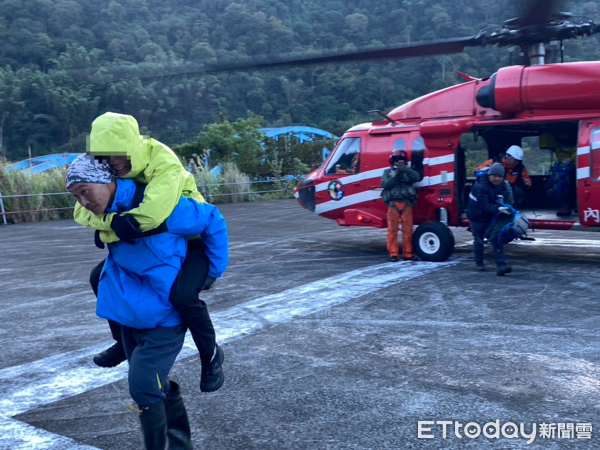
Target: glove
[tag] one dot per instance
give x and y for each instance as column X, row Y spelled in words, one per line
column 126, row 228
column 503, row 210
column 208, row 283
column 97, row 241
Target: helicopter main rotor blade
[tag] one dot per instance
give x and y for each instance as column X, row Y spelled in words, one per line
column 432, row 48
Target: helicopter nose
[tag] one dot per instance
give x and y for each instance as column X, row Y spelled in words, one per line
column 306, row 194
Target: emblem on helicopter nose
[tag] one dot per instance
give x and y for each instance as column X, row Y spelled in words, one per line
column 336, row 190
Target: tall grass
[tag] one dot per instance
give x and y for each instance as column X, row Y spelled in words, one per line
column 228, row 187
column 38, row 207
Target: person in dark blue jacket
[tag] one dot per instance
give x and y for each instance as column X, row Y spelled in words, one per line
column 483, row 205
column 134, row 289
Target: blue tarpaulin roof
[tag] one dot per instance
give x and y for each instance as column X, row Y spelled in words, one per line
column 42, row 163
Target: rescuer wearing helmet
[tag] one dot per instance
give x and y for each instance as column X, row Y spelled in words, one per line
column 400, row 195
column 516, row 173
column 483, row 205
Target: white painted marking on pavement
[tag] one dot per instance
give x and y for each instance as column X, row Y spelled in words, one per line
column 57, row 377
column 583, row 243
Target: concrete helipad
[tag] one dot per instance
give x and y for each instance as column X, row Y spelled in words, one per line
column 328, row 346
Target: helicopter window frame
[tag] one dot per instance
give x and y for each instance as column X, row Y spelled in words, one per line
column 417, row 141
column 417, row 155
column 341, row 156
column 397, row 146
column 595, row 155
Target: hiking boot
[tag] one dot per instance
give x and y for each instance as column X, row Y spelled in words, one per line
column 480, row 267
column 111, row 357
column 412, row 258
column 503, row 269
column 212, row 372
column 564, row 212
column 394, row 259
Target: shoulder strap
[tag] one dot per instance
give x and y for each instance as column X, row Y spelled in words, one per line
column 139, row 195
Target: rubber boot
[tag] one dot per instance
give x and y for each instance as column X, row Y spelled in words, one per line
column 178, row 425
column 154, row 426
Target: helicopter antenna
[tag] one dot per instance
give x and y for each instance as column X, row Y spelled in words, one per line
column 384, row 115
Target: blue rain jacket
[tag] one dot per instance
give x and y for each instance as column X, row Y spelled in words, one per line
column 136, row 280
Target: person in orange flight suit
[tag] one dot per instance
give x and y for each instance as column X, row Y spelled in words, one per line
column 354, row 166
column 400, row 195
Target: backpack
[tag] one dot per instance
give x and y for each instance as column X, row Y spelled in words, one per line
column 506, row 228
column 481, row 172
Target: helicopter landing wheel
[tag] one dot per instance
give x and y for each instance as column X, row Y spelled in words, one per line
column 433, row 241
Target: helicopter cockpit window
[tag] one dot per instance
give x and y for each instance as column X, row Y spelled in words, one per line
column 346, row 159
column 595, row 154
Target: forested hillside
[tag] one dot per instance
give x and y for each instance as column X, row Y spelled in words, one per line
column 63, row 62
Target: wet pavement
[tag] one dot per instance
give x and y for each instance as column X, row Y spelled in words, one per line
column 328, row 346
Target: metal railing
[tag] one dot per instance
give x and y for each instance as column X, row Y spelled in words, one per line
column 201, row 187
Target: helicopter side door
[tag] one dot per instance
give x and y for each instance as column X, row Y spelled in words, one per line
column 588, row 173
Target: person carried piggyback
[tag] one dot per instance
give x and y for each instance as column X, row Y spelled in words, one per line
column 115, row 139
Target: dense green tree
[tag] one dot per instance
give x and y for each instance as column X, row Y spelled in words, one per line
column 10, row 101
column 63, row 62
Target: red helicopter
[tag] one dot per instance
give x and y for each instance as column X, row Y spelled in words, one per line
column 515, row 106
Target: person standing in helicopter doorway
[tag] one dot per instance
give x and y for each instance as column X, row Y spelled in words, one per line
column 399, row 195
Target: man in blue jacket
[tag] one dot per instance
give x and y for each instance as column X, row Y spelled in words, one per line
column 134, row 289
column 483, row 205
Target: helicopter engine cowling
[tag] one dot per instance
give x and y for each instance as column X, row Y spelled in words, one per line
column 572, row 86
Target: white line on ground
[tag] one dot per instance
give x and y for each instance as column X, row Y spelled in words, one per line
column 57, row 377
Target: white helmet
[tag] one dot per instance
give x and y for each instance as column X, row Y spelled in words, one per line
column 516, row 152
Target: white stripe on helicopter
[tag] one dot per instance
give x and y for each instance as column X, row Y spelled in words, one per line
column 376, row 173
column 374, row 194
column 583, row 150
column 583, row 172
column 438, row 160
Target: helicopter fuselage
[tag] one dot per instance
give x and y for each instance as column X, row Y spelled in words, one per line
column 517, row 102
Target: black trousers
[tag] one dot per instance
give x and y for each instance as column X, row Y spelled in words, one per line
column 184, row 297
column 151, row 355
